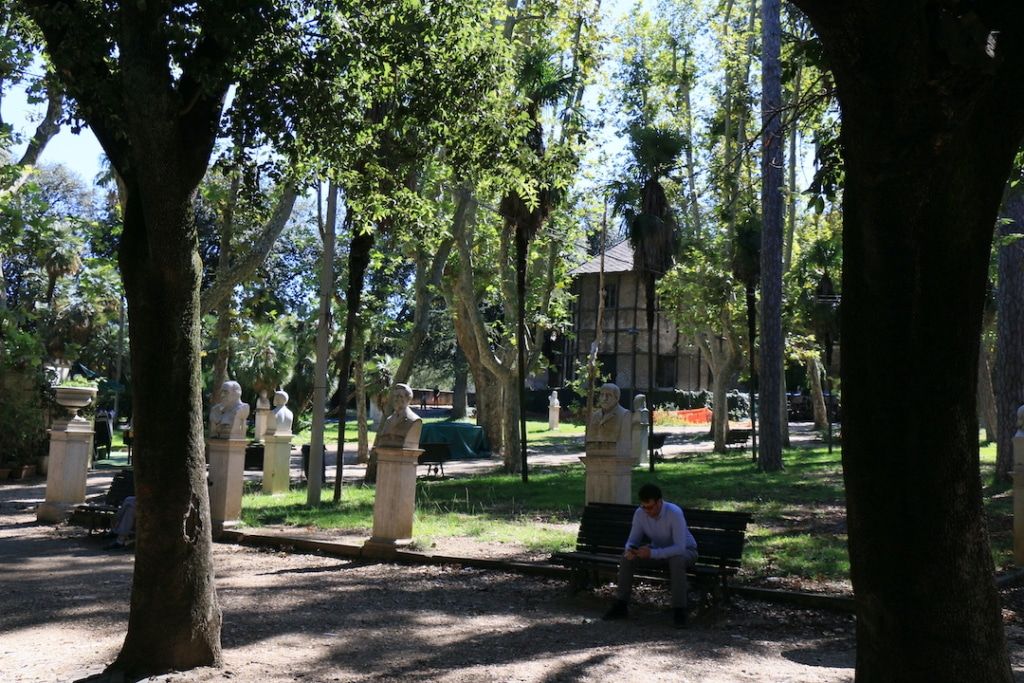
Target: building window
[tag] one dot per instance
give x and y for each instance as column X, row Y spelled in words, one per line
column 665, row 372
column 608, row 366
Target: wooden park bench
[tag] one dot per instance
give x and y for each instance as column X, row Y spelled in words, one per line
column 737, row 437
column 434, row 456
column 100, row 514
column 656, row 444
column 605, row 527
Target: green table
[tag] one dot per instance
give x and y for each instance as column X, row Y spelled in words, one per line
column 464, row 440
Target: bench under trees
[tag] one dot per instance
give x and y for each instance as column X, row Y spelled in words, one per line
column 99, row 514
column 605, row 527
column 737, row 437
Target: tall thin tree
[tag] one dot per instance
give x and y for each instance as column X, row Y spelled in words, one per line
column 772, row 192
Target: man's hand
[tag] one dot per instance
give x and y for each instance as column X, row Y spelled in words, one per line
column 641, row 553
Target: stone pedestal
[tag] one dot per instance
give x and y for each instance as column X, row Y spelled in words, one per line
column 641, row 431
column 553, row 417
column 1018, row 499
column 609, row 478
column 395, row 502
column 70, row 449
column 227, row 472
column 277, row 455
column 261, row 423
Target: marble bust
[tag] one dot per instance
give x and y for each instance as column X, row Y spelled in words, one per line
column 228, row 418
column 609, row 424
column 553, row 400
column 280, row 422
column 402, row 427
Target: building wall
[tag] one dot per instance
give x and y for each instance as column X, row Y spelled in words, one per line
column 624, row 335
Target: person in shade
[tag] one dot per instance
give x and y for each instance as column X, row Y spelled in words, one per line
column 659, row 536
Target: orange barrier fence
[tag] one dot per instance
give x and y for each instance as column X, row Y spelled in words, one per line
column 695, row 416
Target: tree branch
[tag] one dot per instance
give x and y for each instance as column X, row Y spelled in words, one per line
column 47, row 128
column 244, row 266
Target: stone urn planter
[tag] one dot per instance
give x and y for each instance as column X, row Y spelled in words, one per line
column 72, row 399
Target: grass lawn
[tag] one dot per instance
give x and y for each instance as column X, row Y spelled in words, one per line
column 799, row 513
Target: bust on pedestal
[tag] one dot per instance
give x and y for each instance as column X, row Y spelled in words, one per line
column 554, row 408
column 277, row 450
column 397, row 451
column 609, row 456
column 226, row 446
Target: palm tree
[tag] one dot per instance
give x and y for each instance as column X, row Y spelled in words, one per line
column 652, row 229
column 541, row 83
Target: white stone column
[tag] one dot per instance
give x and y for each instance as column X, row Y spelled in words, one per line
column 70, row 449
column 1018, row 494
column 395, row 502
column 609, row 478
column 277, row 454
column 227, row 472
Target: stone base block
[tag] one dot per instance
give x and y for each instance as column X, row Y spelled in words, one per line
column 383, row 548
column 54, row 513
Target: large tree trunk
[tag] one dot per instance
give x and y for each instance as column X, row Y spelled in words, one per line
column 925, row 168
column 1009, row 328
column 358, row 263
column 772, row 387
column 510, row 424
column 814, row 373
column 224, row 316
column 175, row 620
column 328, row 233
column 461, row 385
column 429, row 271
column 363, row 450
column 723, row 359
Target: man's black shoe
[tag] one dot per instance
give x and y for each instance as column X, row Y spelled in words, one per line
column 620, row 610
column 679, row 617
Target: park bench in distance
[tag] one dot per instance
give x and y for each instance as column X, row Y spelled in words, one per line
column 605, row 527
column 100, row 515
column 434, row 456
column 737, row 437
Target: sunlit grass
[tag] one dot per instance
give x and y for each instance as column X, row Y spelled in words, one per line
column 799, row 527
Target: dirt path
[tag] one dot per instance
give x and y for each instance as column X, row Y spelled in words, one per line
column 63, row 614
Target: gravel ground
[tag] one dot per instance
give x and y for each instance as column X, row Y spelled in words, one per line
column 291, row 617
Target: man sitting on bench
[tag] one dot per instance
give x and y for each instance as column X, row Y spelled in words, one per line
column 670, row 542
column 123, row 527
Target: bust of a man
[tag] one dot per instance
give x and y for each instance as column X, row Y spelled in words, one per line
column 227, row 418
column 280, row 422
column 402, row 427
column 605, row 425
